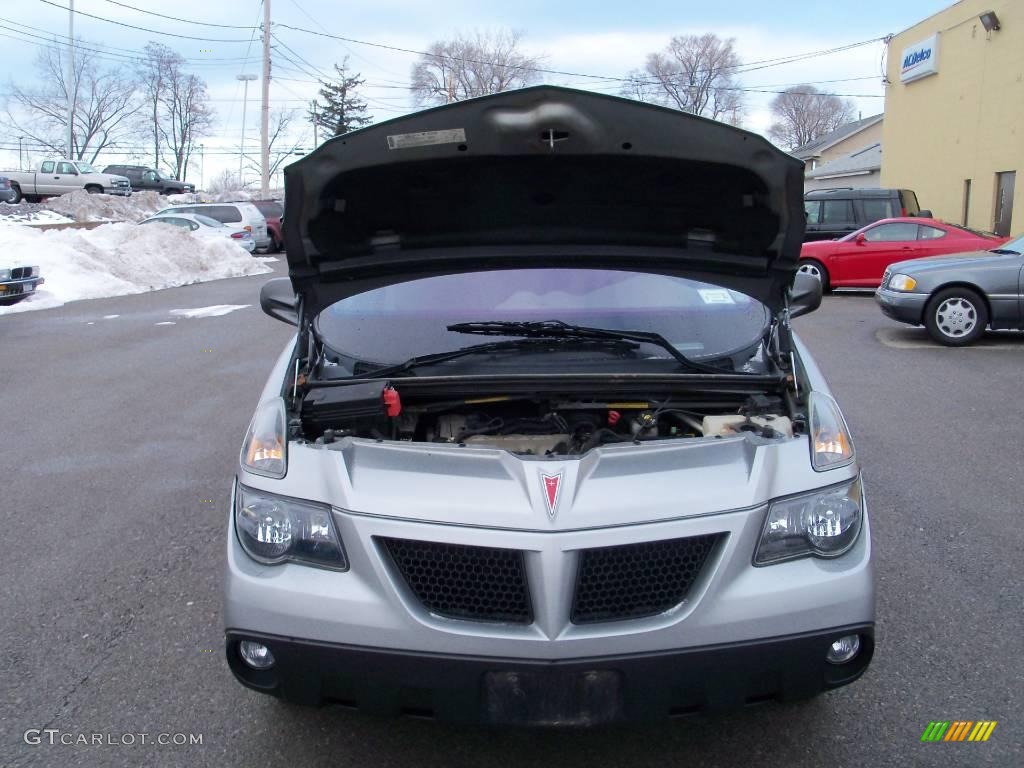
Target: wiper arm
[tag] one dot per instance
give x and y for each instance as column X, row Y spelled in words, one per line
column 553, row 329
column 497, row 346
column 1005, row 251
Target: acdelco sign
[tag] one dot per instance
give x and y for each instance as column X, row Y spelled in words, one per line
column 920, row 60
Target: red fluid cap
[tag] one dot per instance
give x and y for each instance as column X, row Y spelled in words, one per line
column 613, row 418
column 392, row 401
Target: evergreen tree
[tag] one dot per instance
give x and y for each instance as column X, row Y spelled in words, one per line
column 339, row 109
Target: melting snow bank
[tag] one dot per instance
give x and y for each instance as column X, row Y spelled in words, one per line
column 215, row 311
column 118, row 259
column 81, row 206
column 30, row 214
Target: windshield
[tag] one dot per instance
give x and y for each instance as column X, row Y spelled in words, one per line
column 85, row 167
column 1016, row 245
column 207, row 220
column 392, row 324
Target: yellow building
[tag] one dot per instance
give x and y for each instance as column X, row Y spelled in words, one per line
column 954, row 114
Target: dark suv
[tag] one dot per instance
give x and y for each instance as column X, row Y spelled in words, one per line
column 143, row 178
column 834, row 213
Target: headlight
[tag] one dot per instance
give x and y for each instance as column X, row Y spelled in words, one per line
column 831, row 444
column 5, row 274
column 275, row 529
column 265, row 450
column 902, row 283
column 823, row 524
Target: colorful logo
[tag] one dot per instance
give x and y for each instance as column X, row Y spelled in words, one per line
column 958, row 730
column 551, row 484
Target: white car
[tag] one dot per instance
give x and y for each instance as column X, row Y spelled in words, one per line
column 204, row 226
column 245, row 215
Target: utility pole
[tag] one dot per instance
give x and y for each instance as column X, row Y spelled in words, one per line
column 202, row 167
column 71, row 84
column 265, row 109
column 245, row 100
column 21, row 162
column 315, row 142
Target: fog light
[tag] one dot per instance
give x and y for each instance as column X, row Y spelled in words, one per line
column 843, row 649
column 256, row 655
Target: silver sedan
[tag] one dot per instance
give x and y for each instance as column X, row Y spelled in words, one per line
column 957, row 297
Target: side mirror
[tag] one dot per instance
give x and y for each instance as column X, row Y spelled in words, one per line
column 860, row 239
column 925, row 214
column 804, row 294
column 279, row 300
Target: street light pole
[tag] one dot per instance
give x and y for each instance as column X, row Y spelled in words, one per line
column 245, row 100
column 71, row 83
column 265, row 106
column 202, row 167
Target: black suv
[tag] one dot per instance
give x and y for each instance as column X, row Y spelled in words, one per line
column 834, row 213
column 143, row 178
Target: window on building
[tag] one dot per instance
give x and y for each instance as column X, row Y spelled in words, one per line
column 878, row 209
column 967, row 201
column 924, row 232
column 891, row 233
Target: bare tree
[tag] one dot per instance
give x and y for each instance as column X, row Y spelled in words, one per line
column 226, row 181
column 695, row 73
column 803, row 113
column 105, row 104
column 284, row 145
column 188, row 118
column 469, row 66
column 177, row 112
column 155, row 72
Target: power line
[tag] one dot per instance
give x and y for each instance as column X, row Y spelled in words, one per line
column 175, row 18
column 745, row 67
column 102, row 53
column 146, row 29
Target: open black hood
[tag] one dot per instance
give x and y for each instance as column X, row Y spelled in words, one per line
column 543, row 177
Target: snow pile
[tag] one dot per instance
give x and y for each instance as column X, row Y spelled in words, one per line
column 228, row 196
column 81, row 206
column 29, row 214
column 118, row 259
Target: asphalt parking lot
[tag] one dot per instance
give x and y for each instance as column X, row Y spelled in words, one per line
column 121, row 433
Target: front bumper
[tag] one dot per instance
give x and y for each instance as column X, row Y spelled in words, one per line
column 11, row 289
column 585, row 691
column 119, row 191
column 901, row 306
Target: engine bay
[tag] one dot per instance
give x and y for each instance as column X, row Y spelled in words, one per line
column 534, row 424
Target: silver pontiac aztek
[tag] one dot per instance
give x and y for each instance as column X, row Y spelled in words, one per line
column 545, row 448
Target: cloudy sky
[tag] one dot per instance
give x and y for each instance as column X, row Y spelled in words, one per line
column 588, row 38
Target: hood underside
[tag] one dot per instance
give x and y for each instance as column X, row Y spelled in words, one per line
column 543, row 177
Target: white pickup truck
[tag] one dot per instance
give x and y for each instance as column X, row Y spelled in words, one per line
column 57, row 177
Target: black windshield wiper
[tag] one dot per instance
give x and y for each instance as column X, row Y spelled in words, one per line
column 1005, row 251
column 556, row 329
column 499, row 346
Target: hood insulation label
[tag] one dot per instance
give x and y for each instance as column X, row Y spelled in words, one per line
column 426, row 138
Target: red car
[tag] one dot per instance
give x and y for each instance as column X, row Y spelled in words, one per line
column 272, row 211
column 860, row 259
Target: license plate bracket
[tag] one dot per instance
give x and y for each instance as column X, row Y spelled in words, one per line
column 553, row 697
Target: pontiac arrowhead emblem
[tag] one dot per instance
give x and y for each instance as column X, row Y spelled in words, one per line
column 551, row 484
